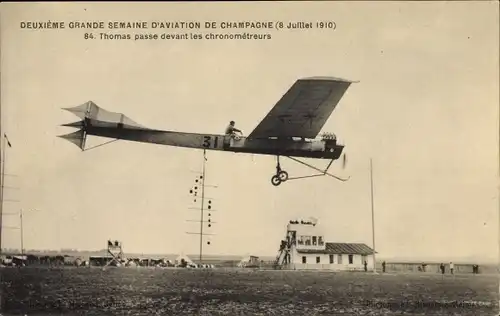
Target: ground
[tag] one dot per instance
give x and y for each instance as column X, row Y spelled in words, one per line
column 149, row 291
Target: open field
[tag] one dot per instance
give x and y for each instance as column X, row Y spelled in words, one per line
column 149, row 291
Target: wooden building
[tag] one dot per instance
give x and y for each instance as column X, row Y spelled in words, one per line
column 305, row 248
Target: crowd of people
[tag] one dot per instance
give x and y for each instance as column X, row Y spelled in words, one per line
column 442, row 268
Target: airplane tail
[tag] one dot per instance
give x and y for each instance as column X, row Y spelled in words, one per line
column 92, row 115
column 85, row 112
column 78, row 138
column 90, row 111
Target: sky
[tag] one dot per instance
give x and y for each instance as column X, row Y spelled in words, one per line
column 425, row 110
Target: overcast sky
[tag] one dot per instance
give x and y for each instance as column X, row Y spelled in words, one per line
column 425, row 110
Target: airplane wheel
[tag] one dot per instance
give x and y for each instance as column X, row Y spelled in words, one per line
column 275, row 180
column 283, row 176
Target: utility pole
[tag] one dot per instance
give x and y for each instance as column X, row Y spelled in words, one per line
column 3, row 162
column 202, row 204
column 373, row 217
column 22, row 232
column 21, row 225
column 2, row 149
column 201, row 184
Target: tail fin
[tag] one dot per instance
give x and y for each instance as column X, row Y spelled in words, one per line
column 91, row 114
column 86, row 110
column 78, row 138
column 79, row 124
column 91, row 111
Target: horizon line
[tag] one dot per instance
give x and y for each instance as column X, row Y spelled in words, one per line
column 394, row 259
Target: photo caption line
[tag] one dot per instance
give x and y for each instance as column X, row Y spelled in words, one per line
column 181, row 30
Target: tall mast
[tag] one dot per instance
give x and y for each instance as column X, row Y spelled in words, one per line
column 2, row 149
column 373, row 217
column 202, row 204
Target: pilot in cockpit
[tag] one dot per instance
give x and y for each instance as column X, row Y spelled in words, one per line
column 230, row 133
column 231, row 130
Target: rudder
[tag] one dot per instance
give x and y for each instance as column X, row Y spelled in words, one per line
column 78, row 138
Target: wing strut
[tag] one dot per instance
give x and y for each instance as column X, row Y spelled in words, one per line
column 109, row 142
column 323, row 172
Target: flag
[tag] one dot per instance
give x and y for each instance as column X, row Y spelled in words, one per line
column 7, row 139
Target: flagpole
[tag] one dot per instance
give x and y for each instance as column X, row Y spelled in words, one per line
column 373, row 217
column 2, row 150
column 22, row 231
column 2, row 188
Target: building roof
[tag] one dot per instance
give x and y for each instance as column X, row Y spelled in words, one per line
column 341, row 248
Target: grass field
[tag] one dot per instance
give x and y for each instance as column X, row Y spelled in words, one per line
column 143, row 291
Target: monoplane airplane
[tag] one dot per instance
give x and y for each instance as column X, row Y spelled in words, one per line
column 290, row 129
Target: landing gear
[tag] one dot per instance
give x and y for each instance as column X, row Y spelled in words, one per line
column 280, row 176
column 283, row 176
column 275, row 180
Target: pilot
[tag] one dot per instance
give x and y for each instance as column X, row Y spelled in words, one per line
column 230, row 133
column 231, row 130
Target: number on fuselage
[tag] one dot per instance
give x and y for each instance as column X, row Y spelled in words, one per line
column 212, row 142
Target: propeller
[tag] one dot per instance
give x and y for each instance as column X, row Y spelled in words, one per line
column 344, row 161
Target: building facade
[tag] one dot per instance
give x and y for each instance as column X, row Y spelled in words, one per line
column 305, row 248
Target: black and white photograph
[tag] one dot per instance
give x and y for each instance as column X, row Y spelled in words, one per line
column 249, row 158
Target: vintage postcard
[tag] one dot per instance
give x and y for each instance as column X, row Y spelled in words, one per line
column 249, row 158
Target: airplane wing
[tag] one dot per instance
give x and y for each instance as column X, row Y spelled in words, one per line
column 304, row 109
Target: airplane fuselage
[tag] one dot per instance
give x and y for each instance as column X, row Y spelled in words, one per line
column 325, row 149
